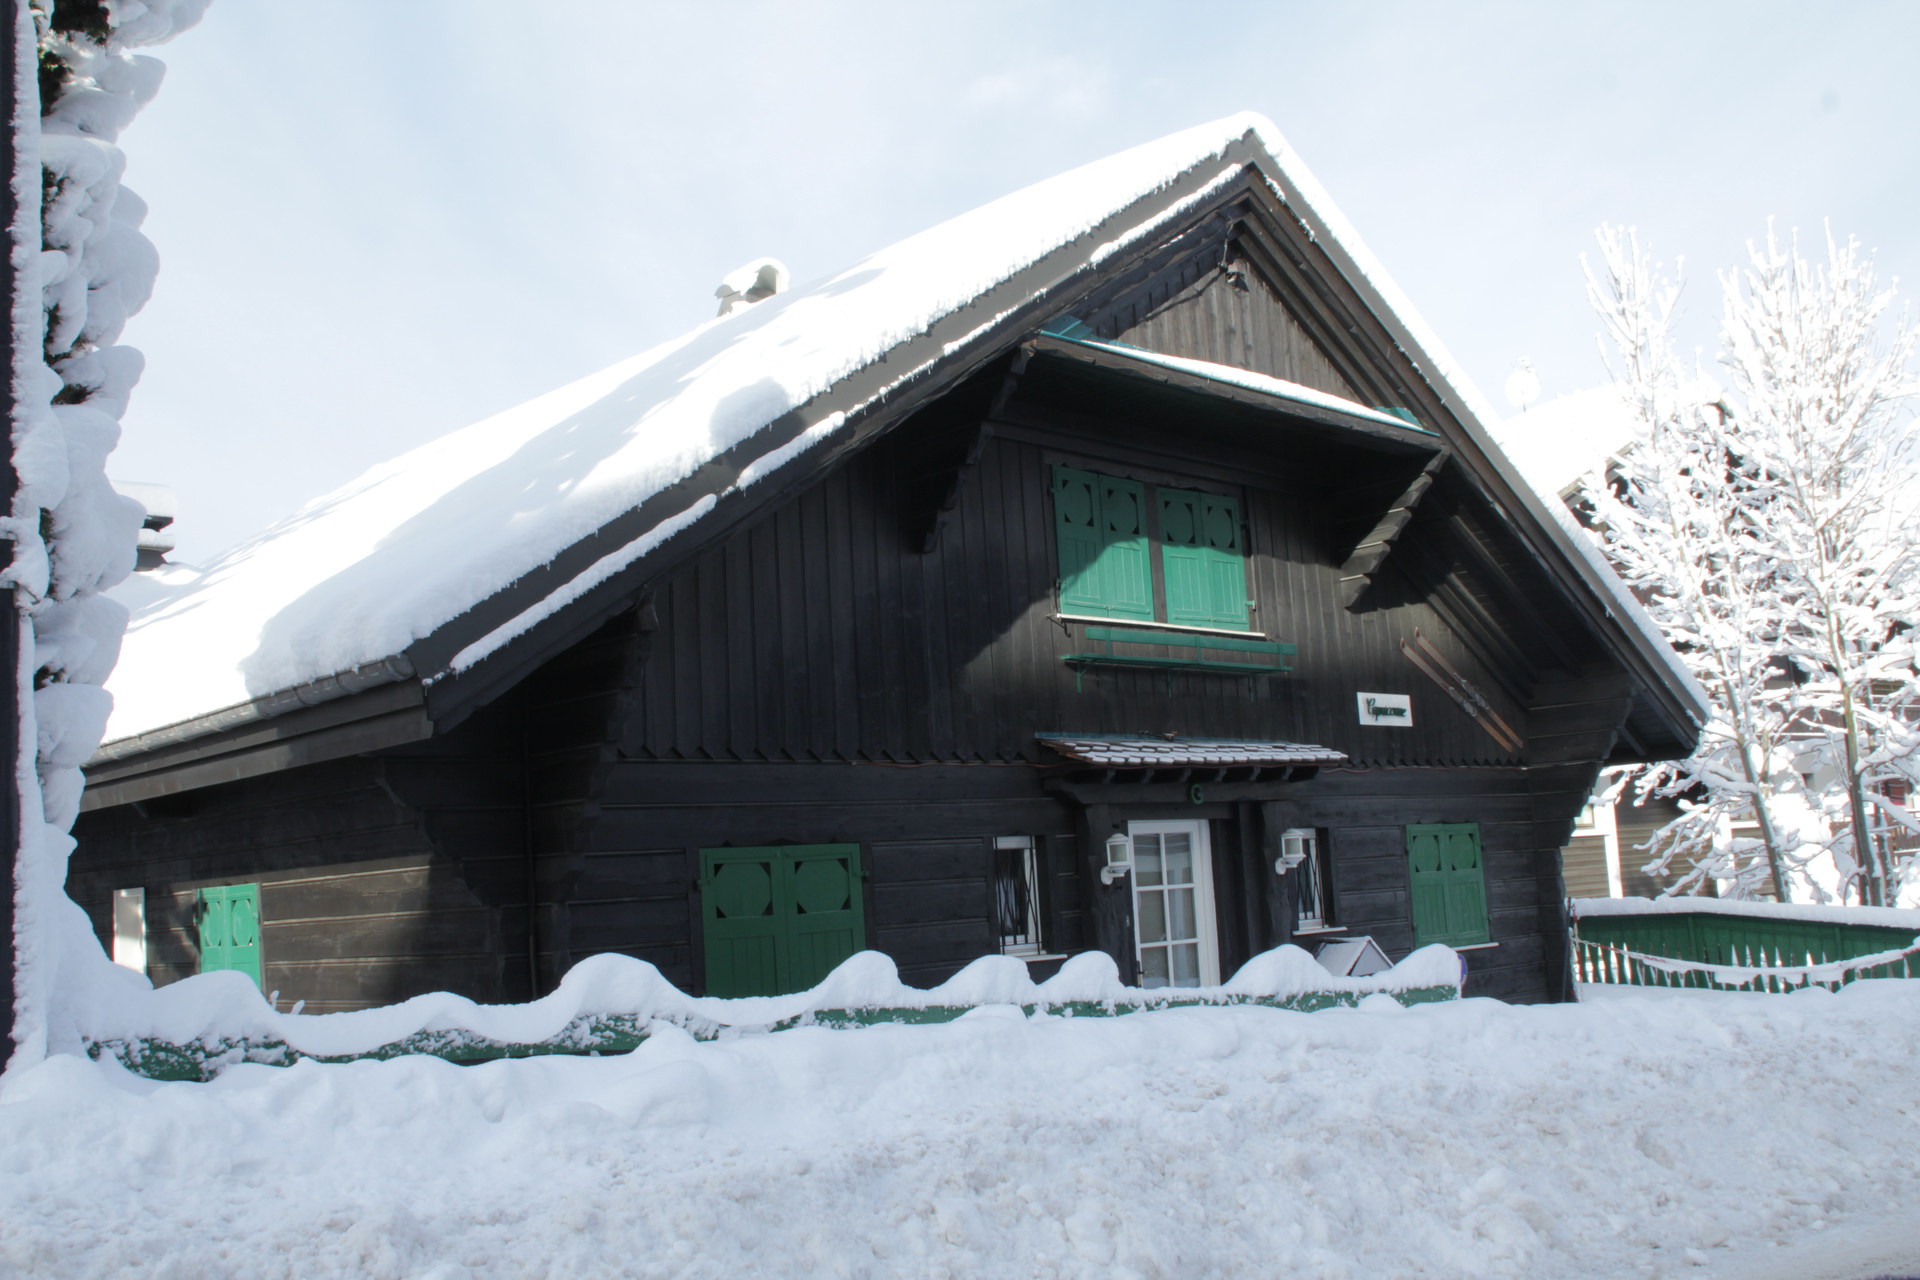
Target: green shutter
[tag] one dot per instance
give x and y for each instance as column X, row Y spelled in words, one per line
column 779, row 919
column 1100, row 526
column 1449, row 884
column 230, row 929
column 1201, row 559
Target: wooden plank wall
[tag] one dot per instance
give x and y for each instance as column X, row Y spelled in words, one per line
column 1365, row 815
column 822, row 634
column 925, row 836
column 1205, row 313
column 358, row 907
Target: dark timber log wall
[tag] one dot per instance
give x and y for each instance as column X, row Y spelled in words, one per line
column 1229, row 315
column 822, row 634
column 357, row 904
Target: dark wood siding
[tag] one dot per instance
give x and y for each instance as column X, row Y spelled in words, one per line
column 358, row 906
column 1205, row 313
column 822, row 633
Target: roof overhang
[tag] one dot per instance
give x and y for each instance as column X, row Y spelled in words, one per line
column 1170, row 751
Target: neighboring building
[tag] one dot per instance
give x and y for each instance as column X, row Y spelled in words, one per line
column 1114, row 567
column 1607, row 853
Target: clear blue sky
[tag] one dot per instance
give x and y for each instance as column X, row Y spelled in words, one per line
column 380, row 221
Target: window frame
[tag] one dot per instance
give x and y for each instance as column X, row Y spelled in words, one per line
column 1087, row 592
column 1313, row 875
column 1031, row 945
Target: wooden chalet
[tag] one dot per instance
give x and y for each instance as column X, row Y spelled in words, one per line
column 1153, row 590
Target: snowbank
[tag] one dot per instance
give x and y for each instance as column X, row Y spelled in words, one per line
column 1646, row 1134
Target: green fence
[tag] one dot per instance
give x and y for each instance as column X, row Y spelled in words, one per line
column 613, row 1004
column 1756, row 950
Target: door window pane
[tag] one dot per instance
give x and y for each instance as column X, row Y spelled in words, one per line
column 1153, row 967
column 1179, row 859
column 1146, row 860
column 1186, row 964
column 1153, row 918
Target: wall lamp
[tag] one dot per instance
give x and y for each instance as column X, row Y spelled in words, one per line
column 1119, row 857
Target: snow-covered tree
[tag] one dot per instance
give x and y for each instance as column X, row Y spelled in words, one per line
column 1823, row 378
column 1763, row 526
column 81, row 268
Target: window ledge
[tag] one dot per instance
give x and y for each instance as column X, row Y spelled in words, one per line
column 1314, row 933
column 1143, row 625
column 1479, row 946
column 1035, row 957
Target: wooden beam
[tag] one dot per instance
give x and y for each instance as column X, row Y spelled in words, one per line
column 1356, row 575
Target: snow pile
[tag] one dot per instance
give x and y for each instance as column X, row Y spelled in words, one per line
column 72, row 535
column 221, row 1017
column 1652, row 1134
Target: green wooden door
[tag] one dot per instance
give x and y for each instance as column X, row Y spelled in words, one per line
column 230, row 929
column 1449, row 884
column 779, row 919
column 1100, row 527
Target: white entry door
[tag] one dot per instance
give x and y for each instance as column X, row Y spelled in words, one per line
column 1173, row 928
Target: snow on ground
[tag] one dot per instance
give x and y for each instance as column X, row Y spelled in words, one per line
column 1644, row 1133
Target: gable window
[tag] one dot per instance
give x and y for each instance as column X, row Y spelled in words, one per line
column 1116, row 537
column 1313, row 907
column 1016, row 896
column 1449, row 884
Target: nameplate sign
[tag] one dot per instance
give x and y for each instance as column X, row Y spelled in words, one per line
column 1392, row 710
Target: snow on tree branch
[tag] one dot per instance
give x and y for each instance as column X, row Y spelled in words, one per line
column 72, row 535
column 1770, row 530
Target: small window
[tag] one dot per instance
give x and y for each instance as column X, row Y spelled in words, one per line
column 130, row 929
column 1300, row 847
column 1016, row 896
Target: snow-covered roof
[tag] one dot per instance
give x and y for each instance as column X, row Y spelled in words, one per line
column 1557, row 441
column 535, row 508
column 1136, row 751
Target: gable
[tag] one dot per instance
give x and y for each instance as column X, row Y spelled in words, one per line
column 1220, row 304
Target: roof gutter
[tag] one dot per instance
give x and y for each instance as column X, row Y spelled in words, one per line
column 359, row 679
